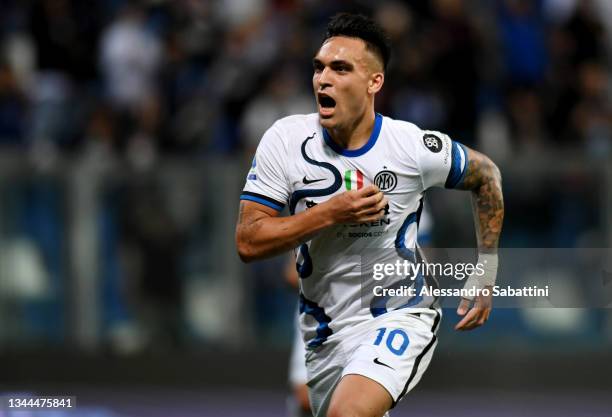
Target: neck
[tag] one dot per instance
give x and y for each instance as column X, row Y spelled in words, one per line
column 355, row 134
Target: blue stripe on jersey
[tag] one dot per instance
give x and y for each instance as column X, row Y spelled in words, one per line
column 305, row 269
column 378, row 306
column 262, row 199
column 458, row 165
column 400, row 239
column 356, row 152
column 323, row 331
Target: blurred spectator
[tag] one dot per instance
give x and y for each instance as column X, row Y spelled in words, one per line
column 130, row 57
column 63, row 32
column 283, row 96
column 592, row 116
column 151, row 246
column 455, row 59
column 523, row 38
column 577, row 47
column 526, row 119
column 417, row 98
column 585, row 33
column 12, row 108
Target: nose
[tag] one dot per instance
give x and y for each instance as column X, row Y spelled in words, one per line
column 323, row 78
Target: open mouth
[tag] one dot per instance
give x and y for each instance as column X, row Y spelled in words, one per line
column 326, row 102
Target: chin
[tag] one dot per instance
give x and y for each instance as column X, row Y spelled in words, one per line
column 328, row 122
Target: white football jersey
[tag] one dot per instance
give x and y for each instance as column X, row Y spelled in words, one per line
column 299, row 165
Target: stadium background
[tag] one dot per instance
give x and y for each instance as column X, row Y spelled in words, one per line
column 126, row 130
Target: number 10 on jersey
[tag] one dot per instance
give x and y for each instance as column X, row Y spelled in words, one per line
column 396, row 340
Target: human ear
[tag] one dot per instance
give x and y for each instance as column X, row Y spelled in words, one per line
column 376, row 82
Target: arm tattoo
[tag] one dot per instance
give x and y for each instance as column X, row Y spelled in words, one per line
column 483, row 178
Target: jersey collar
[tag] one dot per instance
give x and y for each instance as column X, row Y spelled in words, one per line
column 356, row 152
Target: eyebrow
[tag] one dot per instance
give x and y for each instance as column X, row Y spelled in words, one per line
column 335, row 63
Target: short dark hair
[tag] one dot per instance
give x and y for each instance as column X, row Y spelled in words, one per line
column 362, row 27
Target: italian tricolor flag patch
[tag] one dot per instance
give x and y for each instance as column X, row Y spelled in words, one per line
column 353, row 179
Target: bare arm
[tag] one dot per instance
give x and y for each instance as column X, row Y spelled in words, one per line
column 483, row 179
column 261, row 233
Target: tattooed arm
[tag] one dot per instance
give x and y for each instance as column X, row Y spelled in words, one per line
column 483, row 179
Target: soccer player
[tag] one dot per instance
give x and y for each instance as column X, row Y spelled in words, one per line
column 354, row 181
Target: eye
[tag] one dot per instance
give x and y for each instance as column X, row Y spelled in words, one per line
column 342, row 68
column 318, row 67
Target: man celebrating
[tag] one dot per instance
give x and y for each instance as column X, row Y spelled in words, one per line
column 354, row 181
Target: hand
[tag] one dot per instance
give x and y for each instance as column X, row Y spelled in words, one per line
column 358, row 206
column 478, row 314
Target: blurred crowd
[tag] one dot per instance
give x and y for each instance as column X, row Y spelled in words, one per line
column 154, row 77
column 137, row 81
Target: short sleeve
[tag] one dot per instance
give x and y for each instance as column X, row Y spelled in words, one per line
column 442, row 161
column 266, row 182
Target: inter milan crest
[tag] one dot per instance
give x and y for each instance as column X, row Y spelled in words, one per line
column 385, row 181
column 432, row 142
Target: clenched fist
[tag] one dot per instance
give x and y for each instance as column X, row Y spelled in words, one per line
column 358, row 206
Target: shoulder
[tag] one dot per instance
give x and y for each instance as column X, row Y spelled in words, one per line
column 413, row 137
column 290, row 129
column 401, row 130
column 297, row 124
column 403, row 135
column 401, row 125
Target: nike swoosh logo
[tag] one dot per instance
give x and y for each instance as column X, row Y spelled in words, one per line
column 307, row 181
column 377, row 362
